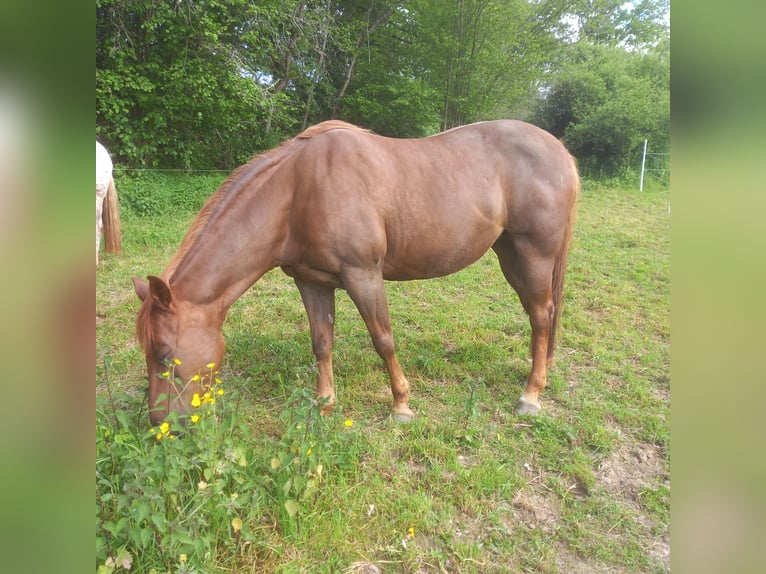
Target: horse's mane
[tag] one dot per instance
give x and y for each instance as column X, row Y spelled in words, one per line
column 257, row 164
column 145, row 326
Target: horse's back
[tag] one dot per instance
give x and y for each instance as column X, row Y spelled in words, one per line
column 430, row 206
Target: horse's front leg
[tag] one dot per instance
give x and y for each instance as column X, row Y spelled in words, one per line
column 319, row 302
column 368, row 292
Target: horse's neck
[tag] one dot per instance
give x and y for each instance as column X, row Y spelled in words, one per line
column 236, row 248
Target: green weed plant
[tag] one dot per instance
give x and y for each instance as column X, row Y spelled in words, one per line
column 179, row 496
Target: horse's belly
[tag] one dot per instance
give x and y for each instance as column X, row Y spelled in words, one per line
column 436, row 256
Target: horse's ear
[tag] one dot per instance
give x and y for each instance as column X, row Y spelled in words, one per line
column 160, row 292
column 141, row 287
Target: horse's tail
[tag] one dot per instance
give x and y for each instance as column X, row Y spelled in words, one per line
column 560, row 264
column 110, row 218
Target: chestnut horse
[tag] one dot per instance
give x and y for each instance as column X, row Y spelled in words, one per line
column 107, row 206
column 339, row 207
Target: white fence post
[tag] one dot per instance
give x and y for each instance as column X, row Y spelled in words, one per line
column 643, row 164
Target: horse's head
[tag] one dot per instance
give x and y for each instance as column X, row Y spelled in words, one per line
column 180, row 341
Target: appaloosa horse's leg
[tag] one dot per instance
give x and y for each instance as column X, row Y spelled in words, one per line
column 368, row 292
column 530, row 274
column 319, row 302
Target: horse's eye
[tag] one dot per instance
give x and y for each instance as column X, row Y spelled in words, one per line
column 164, row 355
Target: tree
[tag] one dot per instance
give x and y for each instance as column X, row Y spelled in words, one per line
column 610, row 89
column 207, row 83
column 176, row 84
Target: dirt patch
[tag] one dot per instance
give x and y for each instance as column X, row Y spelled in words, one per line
column 536, row 510
column 569, row 563
column 632, row 468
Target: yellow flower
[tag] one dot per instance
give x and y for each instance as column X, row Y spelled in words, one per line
column 236, row 524
column 165, row 375
column 164, row 428
column 217, row 381
column 177, row 361
column 210, row 365
column 219, row 392
column 194, row 418
column 349, row 423
column 195, row 377
column 411, row 532
column 159, row 436
column 308, row 452
column 182, row 558
column 196, row 400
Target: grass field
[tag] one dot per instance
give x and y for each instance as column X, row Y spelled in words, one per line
column 467, row 487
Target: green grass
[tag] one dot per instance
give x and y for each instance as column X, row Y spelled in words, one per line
column 582, row 487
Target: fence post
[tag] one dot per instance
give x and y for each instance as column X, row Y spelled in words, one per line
column 643, row 164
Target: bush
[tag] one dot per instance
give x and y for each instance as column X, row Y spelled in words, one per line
column 158, row 193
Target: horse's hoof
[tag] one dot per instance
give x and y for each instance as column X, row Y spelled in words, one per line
column 404, row 415
column 327, row 405
column 525, row 407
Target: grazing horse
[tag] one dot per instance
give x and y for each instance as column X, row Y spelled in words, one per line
column 338, row 207
column 107, row 206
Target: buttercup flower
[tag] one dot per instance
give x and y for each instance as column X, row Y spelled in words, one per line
column 165, row 375
column 177, row 361
column 210, row 365
column 236, row 524
column 349, row 423
column 164, row 428
column 194, row 418
column 195, row 377
column 196, row 401
column 219, row 392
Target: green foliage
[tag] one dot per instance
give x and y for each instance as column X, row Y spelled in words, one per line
column 178, row 489
column 310, row 446
column 156, row 193
column 192, row 492
column 605, row 103
column 173, row 88
column 207, row 84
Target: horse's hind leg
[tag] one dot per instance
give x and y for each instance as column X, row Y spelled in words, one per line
column 319, row 302
column 368, row 292
column 530, row 274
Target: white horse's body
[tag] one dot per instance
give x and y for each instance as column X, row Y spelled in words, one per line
column 103, row 181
